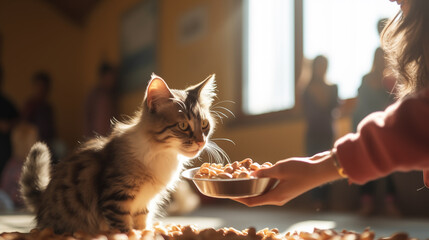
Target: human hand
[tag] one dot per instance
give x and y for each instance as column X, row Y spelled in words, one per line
column 296, row 176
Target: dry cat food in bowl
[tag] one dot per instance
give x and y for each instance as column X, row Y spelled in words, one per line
column 230, row 181
column 241, row 169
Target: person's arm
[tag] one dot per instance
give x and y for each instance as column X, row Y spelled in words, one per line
column 394, row 140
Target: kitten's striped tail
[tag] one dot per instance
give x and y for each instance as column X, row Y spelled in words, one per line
column 35, row 175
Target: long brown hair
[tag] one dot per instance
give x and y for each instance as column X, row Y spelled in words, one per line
column 405, row 40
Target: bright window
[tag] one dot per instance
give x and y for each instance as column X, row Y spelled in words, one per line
column 268, row 84
column 345, row 31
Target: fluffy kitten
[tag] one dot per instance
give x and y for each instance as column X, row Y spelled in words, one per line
column 117, row 182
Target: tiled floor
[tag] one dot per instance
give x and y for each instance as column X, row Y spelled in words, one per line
column 241, row 217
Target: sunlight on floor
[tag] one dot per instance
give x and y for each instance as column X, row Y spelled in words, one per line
column 201, row 222
column 310, row 225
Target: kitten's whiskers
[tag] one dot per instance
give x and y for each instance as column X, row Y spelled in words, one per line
column 218, row 115
column 226, row 109
column 224, row 101
column 216, row 153
column 224, row 139
column 221, row 113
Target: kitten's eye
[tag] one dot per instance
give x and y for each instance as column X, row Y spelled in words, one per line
column 183, row 126
column 204, row 123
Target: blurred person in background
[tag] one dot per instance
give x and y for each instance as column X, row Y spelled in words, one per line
column 374, row 95
column 393, row 140
column 320, row 99
column 23, row 136
column 101, row 103
column 8, row 116
column 39, row 111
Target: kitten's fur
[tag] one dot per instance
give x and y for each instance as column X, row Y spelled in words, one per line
column 118, row 181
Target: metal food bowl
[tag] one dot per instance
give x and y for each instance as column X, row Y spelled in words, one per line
column 230, row 188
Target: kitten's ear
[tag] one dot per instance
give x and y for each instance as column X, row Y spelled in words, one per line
column 157, row 91
column 206, row 90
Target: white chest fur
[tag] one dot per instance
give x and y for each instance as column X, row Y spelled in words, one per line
column 165, row 169
column 161, row 163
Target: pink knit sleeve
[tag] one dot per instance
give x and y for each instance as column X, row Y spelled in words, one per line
column 394, row 140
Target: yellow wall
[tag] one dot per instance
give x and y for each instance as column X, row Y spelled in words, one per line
column 36, row 37
column 101, row 37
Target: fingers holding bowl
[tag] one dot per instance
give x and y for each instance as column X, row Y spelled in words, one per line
column 272, row 197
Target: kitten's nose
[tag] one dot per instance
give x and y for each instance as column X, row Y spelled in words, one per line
column 200, row 144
